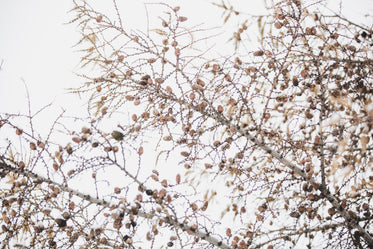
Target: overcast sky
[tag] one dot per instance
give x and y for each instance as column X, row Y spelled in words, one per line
column 36, row 45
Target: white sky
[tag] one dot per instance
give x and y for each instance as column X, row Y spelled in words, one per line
column 36, row 46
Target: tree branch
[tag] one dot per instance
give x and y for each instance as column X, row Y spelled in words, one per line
column 5, row 167
column 352, row 222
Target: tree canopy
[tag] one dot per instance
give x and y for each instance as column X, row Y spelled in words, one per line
column 267, row 147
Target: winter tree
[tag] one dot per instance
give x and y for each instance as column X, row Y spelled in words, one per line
column 268, row 147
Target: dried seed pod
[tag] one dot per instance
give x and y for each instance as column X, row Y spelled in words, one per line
column 159, row 80
column 169, row 90
column 117, row 190
column 200, row 82
column 331, row 211
column 129, row 97
column 294, row 214
column 167, row 138
column 164, row 183
column 145, row 115
column 365, row 206
column 295, row 81
column 104, row 110
column 177, row 51
column 202, row 105
column 259, row 53
column 228, row 232
column 117, row 135
column 304, row 73
column 232, row 102
column 32, row 146
column 120, row 58
column 216, row 143
column 86, row 130
column 352, row 214
column 205, row 206
column 170, row 244
column 145, row 77
column 334, row 36
column 76, row 139
column 197, row 87
column 208, row 165
column 194, row 206
column 71, row 205
column 140, row 150
column 66, row 215
column 184, row 153
column 351, row 48
column 21, row 164
column 61, row 222
column 278, row 25
column 39, row 228
column 99, row 18
column 56, row 167
column 313, row 31
column 281, row 16
column 215, row 67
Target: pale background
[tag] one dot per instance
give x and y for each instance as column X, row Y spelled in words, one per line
column 36, row 45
